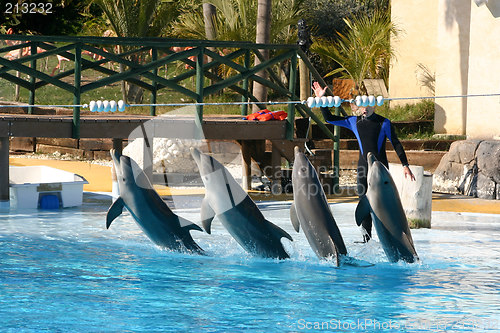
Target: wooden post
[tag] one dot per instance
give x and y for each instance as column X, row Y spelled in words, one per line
column 276, row 187
column 247, row 165
column 4, row 173
column 305, row 88
column 118, row 145
column 305, row 80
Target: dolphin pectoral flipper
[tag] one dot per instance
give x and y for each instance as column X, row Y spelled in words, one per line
column 114, row 211
column 362, row 210
column 294, row 218
column 409, row 245
column 207, row 215
column 279, row 232
column 350, row 261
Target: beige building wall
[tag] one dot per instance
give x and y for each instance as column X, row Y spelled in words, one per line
column 452, row 65
column 464, row 54
column 412, row 71
column 483, row 113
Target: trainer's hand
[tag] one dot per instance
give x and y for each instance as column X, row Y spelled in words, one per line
column 407, row 172
column 318, row 91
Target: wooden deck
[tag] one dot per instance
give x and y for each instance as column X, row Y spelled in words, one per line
column 227, row 127
column 119, row 127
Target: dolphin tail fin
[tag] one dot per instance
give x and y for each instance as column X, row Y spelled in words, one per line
column 188, row 225
column 362, row 210
column 207, row 215
column 279, row 232
column 294, row 218
column 114, row 211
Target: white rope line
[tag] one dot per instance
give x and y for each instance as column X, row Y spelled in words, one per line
column 330, row 101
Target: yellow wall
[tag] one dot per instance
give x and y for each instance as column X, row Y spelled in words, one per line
column 458, row 41
column 415, row 48
column 483, row 113
column 452, row 64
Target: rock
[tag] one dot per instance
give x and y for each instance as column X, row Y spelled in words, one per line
column 486, row 187
column 455, row 167
column 488, row 159
column 463, row 152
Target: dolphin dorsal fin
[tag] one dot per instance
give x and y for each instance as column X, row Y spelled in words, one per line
column 362, row 210
column 114, row 211
column 207, row 215
column 294, row 217
column 279, row 232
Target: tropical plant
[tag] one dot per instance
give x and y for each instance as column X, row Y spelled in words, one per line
column 144, row 18
column 364, row 51
column 326, row 17
column 235, row 20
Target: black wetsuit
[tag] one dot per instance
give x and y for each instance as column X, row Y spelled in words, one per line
column 371, row 133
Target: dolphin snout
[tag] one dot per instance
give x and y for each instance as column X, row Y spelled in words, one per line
column 371, row 158
column 296, row 150
column 115, row 156
column 195, row 153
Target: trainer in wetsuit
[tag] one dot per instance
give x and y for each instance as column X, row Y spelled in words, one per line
column 371, row 131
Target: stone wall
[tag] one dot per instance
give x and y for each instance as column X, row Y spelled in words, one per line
column 471, row 167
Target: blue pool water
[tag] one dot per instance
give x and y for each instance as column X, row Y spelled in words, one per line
column 63, row 271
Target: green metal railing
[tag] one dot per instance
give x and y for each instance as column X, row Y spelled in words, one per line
column 140, row 59
column 144, row 72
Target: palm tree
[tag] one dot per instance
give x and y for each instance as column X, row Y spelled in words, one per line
column 263, row 35
column 235, row 20
column 364, row 51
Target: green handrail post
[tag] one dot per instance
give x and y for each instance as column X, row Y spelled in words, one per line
column 154, row 91
column 200, row 80
column 291, row 107
column 77, row 91
column 33, row 51
column 244, row 97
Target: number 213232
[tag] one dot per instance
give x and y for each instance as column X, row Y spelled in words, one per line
column 28, row 8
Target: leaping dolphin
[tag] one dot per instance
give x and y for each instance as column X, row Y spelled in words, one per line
column 311, row 212
column 151, row 213
column 236, row 210
column 383, row 203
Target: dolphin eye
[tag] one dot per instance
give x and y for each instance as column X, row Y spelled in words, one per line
column 386, row 182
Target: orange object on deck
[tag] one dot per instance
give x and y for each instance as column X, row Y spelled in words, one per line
column 266, row 115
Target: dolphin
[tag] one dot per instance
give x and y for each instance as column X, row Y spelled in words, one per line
column 310, row 210
column 236, row 210
column 383, row 203
column 151, row 213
